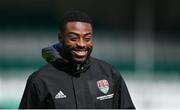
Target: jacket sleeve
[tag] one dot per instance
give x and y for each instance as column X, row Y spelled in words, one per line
column 122, row 99
column 30, row 97
column 125, row 101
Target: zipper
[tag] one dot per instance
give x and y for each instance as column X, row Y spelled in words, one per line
column 74, row 93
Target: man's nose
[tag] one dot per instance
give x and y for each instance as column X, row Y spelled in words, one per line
column 81, row 43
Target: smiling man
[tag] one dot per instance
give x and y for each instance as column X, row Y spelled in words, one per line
column 77, row 41
column 73, row 79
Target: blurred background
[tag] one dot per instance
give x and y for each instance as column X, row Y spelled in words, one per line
column 141, row 38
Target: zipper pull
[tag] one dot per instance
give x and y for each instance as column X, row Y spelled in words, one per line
column 78, row 67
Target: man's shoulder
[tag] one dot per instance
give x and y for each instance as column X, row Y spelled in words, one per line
column 45, row 70
column 100, row 62
column 105, row 66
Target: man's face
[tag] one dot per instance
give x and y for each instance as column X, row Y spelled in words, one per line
column 77, row 39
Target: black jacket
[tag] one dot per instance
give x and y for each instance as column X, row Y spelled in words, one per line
column 61, row 84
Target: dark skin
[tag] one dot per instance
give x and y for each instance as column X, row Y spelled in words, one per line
column 77, row 38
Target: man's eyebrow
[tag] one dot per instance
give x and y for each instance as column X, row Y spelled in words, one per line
column 88, row 33
column 72, row 33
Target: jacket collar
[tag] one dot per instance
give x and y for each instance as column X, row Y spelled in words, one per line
column 52, row 55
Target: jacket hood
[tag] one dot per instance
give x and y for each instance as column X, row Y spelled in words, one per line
column 52, row 55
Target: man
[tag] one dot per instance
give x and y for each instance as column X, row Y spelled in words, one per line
column 72, row 78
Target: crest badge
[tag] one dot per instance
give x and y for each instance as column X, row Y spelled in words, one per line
column 103, row 86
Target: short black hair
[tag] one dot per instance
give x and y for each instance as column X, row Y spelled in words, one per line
column 73, row 15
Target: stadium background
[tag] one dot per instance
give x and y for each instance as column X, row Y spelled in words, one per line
column 139, row 37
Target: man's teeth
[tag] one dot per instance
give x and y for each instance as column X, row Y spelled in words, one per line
column 80, row 52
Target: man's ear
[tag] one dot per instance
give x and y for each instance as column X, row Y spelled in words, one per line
column 60, row 37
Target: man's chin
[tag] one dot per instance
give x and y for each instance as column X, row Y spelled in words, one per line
column 79, row 60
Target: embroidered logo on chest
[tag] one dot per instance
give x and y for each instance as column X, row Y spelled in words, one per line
column 103, row 86
column 60, row 95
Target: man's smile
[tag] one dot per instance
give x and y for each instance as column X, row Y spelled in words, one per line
column 79, row 53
